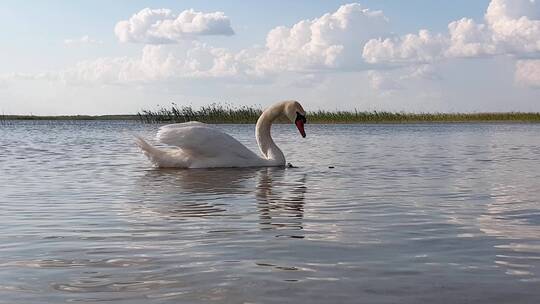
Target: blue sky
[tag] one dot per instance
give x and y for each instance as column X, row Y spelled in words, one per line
column 72, row 57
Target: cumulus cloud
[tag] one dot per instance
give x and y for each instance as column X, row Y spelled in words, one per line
column 515, row 25
column 469, row 39
column 528, row 73
column 158, row 63
column 190, row 60
column 424, row 47
column 162, row 26
column 331, row 41
column 510, row 28
column 84, row 40
column 334, row 40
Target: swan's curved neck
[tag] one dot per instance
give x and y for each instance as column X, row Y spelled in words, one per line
column 268, row 147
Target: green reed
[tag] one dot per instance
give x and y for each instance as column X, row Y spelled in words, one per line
column 219, row 113
column 213, row 113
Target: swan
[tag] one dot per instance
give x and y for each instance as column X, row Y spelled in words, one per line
column 199, row 145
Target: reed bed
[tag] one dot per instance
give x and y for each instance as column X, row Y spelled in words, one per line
column 218, row 113
column 213, row 113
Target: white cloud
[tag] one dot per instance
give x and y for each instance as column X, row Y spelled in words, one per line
column 528, row 73
column 512, row 27
column 84, row 40
column 421, row 48
column 469, row 39
column 162, row 26
column 424, row 71
column 382, row 82
column 334, row 40
column 391, row 80
column 508, row 30
column 158, row 63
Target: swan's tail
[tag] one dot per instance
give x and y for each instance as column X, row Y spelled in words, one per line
column 162, row 158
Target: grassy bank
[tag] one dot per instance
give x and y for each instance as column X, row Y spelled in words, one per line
column 217, row 113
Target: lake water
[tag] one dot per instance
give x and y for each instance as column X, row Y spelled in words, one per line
column 420, row 213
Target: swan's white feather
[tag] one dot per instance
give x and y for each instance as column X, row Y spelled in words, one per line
column 164, row 158
column 186, row 124
column 198, row 145
column 203, row 140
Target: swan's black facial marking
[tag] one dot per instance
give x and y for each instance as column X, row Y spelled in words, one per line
column 300, row 117
column 299, row 122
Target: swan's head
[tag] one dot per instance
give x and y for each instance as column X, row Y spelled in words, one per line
column 295, row 113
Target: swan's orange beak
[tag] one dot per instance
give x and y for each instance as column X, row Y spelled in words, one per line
column 299, row 122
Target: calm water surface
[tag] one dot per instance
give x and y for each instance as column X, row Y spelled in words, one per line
column 425, row 213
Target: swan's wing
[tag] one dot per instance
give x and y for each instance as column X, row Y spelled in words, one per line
column 204, row 140
column 186, row 124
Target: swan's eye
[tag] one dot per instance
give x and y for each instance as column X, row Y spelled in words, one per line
column 300, row 117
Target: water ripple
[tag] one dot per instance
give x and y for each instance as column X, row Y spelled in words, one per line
column 408, row 214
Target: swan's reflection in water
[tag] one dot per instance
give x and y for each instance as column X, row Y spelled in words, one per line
column 181, row 194
column 211, row 181
column 274, row 195
column 280, row 202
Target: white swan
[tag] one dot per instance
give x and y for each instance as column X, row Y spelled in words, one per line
column 199, row 145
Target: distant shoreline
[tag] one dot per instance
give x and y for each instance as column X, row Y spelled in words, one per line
column 69, row 117
column 316, row 118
